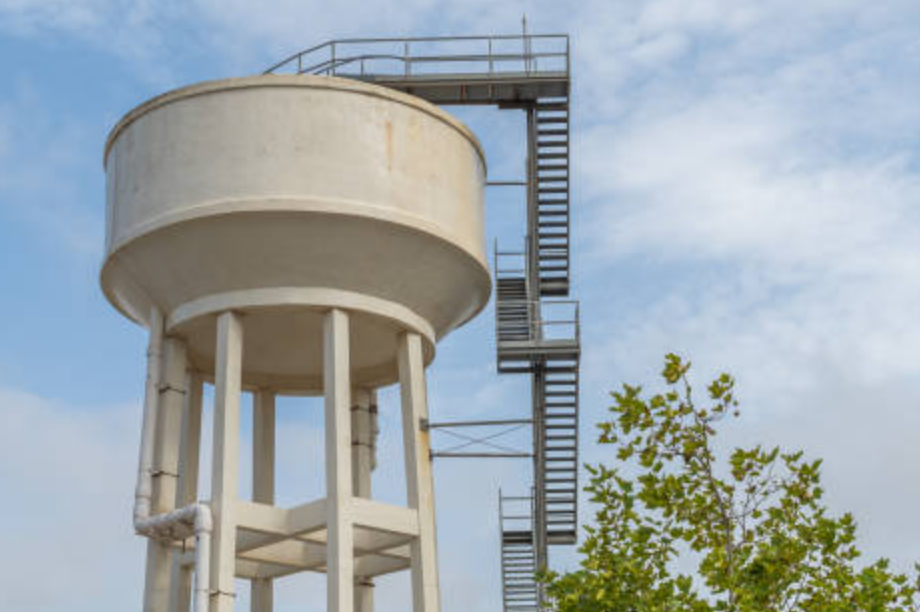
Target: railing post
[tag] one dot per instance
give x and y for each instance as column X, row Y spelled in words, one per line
column 332, row 67
column 406, row 60
column 568, row 56
column 578, row 322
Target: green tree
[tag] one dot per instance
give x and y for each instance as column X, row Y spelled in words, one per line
column 678, row 530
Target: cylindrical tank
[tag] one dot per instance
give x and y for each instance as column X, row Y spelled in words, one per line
column 282, row 196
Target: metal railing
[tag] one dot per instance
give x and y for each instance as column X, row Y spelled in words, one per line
column 490, row 56
column 509, row 264
column 548, row 320
column 522, row 512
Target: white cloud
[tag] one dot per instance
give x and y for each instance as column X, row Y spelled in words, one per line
column 751, row 203
column 133, row 30
column 28, row 16
column 757, row 184
column 67, row 476
column 45, row 159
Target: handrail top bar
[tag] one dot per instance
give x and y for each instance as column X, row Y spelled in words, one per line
column 451, row 455
column 543, row 302
column 457, row 57
column 411, row 39
column 422, row 59
column 445, row 38
column 497, row 423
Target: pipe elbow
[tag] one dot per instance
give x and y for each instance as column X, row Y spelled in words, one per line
column 141, row 511
column 203, row 521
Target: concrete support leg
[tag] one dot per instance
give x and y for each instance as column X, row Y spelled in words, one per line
column 189, row 453
column 364, row 459
column 171, row 396
column 263, row 481
column 419, row 486
column 225, row 465
column 340, row 542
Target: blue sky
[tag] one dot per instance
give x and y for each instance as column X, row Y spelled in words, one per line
column 746, row 193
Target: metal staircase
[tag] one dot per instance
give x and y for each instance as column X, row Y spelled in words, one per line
column 558, row 462
column 542, row 338
column 550, row 169
column 513, row 311
column 530, row 73
column 519, row 561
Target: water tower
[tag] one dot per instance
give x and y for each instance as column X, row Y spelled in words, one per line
column 303, row 235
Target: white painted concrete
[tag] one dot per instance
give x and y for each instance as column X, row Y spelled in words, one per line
column 225, row 467
column 340, row 547
column 342, row 224
column 155, row 513
column 276, row 177
column 143, row 494
column 187, row 494
column 263, row 481
column 165, row 470
column 419, row 484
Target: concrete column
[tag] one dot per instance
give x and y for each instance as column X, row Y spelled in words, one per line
column 419, row 486
column 171, row 396
column 189, row 452
column 364, row 459
column 263, row 481
column 340, row 540
column 225, row 463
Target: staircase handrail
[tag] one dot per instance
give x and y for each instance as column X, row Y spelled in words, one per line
column 503, row 271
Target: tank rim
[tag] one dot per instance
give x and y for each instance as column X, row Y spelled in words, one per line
column 306, row 81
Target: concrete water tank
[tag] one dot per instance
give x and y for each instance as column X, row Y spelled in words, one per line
column 288, row 234
column 279, row 197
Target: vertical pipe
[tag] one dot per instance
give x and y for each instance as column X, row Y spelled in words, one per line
column 363, row 440
column 165, row 471
column 533, row 212
column 143, row 494
column 263, row 480
column 204, row 527
column 363, row 459
column 501, row 538
column 225, row 464
column 534, row 292
column 539, row 472
column 263, row 447
column 187, row 494
column 419, row 486
column 407, row 61
column 191, row 449
column 340, row 542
